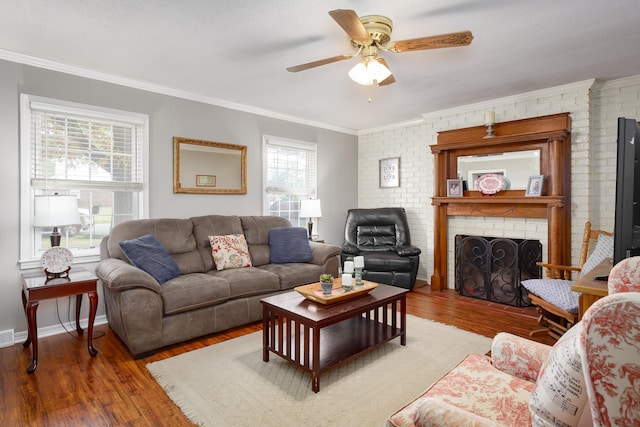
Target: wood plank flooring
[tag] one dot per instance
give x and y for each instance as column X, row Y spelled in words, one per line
column 70, row 388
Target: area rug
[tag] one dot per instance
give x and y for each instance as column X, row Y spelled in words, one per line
column 228, row 384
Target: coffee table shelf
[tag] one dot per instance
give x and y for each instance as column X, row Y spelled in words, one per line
column 317, row 337
column 350, row 338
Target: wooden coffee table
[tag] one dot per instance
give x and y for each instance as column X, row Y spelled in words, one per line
column 317, row 337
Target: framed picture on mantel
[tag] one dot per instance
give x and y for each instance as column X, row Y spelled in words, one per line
column 454, row 188
column 534, row 186
column 390, row 172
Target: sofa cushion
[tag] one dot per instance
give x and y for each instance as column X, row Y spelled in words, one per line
column 191, row 291
column 149, row 255
column 289, row 244
column 230, row 251
column 176, row 235
column 477, row 387
column 256, row 231
column 212, row 225
column 245, row 282
column 294, row 274
column 560, row 395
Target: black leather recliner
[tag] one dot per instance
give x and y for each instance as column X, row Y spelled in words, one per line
column 381, row 236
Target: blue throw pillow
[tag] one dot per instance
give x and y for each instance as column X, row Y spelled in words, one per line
column 148, row 254
column 289, row 244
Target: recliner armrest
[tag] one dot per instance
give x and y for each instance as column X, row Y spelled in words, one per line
column 408, row 250
column 351, row 249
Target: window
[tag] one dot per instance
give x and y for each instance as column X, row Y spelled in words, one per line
column 290, row 169
column 95, row 154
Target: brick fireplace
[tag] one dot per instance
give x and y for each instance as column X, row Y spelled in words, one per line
column 551, row 137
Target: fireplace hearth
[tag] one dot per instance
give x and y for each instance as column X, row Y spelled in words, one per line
column 491, row 268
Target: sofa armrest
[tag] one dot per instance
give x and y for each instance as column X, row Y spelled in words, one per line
column 435, row 412
column 119, row 275
column 322, row 252
column 518, row 356
column 408, row 250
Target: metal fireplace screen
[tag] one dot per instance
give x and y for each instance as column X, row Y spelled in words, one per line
column 491, row 268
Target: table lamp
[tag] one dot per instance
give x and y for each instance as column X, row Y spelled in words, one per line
column 310, row 208
column 55, row 211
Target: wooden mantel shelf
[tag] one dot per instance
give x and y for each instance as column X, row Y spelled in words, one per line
column 497, row 199
column 496, row 206
column 550, row 135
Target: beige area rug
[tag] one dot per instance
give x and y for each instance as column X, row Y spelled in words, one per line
column 228, row 384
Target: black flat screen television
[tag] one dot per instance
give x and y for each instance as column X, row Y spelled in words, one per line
column 627, row 215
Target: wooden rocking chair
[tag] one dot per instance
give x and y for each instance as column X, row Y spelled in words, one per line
column 553, row 298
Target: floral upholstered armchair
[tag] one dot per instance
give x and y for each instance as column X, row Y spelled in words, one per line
column 591, row 376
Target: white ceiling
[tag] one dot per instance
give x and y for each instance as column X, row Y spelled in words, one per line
column 235, row 52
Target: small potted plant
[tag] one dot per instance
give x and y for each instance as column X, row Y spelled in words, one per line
column 326, row 282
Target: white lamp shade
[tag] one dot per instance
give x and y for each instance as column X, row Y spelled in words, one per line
column 55, row 211
column 367, row 71
column 310, row 208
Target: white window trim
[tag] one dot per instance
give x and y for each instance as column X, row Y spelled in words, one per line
column 286, row 142
column 26, row 260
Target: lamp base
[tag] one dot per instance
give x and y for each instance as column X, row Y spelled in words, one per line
column 310, row 228
column 55, row 237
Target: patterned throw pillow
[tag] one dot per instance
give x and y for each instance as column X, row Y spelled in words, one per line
column 602, row 251
column 230, row 251
column 560, row 395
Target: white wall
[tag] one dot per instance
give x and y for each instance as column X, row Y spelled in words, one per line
column 169, row 116
column 594, row 108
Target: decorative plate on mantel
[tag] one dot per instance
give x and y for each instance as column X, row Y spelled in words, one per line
column 490, row 184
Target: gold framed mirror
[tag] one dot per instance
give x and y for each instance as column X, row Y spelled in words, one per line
column 208, row 167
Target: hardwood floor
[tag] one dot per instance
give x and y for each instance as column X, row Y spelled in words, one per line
column 70, row 388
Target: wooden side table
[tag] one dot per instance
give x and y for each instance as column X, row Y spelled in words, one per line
column 592, row 290
column 36, row 287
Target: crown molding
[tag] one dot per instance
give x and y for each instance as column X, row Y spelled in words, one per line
column 139, row 84
column 391, row 126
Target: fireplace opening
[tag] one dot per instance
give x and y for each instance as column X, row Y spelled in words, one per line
column 491, row 268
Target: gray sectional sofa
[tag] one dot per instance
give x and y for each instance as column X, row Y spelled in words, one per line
column 201, row 300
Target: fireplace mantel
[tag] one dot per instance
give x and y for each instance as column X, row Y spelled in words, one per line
column 549, row 134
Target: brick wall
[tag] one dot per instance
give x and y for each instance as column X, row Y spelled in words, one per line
column 594, row 108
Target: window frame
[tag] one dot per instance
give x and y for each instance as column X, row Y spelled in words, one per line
column 310, row 192
column 28, row 256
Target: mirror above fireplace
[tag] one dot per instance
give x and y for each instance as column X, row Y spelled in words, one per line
column 517, row 166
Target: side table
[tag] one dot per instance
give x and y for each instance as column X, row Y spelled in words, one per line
column 592, row 290
column 36, row 287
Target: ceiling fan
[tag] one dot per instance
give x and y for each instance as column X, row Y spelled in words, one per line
column 372, row 33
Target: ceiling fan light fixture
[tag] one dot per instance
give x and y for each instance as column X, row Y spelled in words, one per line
column 367, row 71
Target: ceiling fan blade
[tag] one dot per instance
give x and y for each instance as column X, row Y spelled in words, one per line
column 389, row 79
column 432, row 42
column 318, row 63
column 350, row 23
